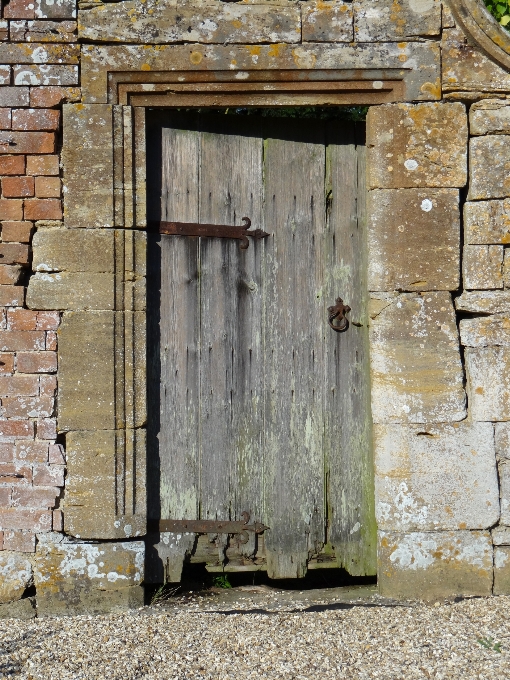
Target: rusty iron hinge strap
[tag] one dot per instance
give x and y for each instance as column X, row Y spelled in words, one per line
column 215, row 230
column 209, row 526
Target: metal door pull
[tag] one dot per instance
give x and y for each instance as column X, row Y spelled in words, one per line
column 338, row 311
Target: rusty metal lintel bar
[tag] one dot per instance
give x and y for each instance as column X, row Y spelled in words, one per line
column 213, row 230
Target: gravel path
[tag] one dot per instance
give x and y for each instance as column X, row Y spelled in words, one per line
column 263, row 636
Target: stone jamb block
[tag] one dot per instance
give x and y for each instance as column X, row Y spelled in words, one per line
column 436, row 477
column 490, row 117
column 488, row 167
column 413, row 239
column 482, row 267
column 487, row 222
column 434, row 565
column 417, row 145
column 488, row 383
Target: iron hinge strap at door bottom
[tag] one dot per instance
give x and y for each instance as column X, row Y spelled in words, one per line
column 211, row 230
column 209, row 526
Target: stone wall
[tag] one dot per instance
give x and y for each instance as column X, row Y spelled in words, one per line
column 439, row 279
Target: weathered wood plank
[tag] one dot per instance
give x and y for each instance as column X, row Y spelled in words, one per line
column 231, row 360
column 294, row 213
column 348, row 447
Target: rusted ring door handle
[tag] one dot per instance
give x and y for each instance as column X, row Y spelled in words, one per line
column 338, row 312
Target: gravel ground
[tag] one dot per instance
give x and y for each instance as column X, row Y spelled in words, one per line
column 262, row 635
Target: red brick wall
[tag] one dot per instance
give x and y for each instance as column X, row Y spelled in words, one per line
column 38, row 72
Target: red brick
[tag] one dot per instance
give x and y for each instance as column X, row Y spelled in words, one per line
column 56, row 454
column 7, row 452
column 18, row 187
column 43, row 209
column 51, row 341
column 20, row 541
column 26, row 518
column 5, row 119
column 31, row 497
column 48, row 321
column 5, row 496
column 12, row 165
column 10, row 275
column 47, row 187
column 48, row 384
column 28, row 407
column 49, row 475
column 58, row 520
column 37, row 362
column 30, row 142
column 42, row 165
column 11, row 209
column 20, row 232
column 27, row 320
column 15, row 474
column 47, row 428
column 19, row 385
column 6, row 364
column 53, row 95
column 32, row 452
column 35, row 119
column 13, row 253
column 11, row 430
column 19, row 9
column 12, row 296
column 13, row 341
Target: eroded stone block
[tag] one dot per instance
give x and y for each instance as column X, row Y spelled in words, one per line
column 434, row 564
column 413, row 239
column 501, row 535
column 502, row 440
column 486, row 302
column 488, row 167
column 416, row 369
column 502, row 570
column 488, row 382
column 327, row 21
column 74, row 578
column 21, row 609
column 15, row 575
column 137, row 22
column 71, row 290
column 487, row 222
column 381, row 20
column 482, row 267
column 490, row 116
column 435, row 477
column 417, row 145
column 484, row 331
column 504, row 481
column 57, row 250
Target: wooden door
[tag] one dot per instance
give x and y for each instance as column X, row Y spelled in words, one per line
column 255, row 403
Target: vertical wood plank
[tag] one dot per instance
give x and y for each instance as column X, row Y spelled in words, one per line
column 231, row 362
column 347, row 408
column 295, row 215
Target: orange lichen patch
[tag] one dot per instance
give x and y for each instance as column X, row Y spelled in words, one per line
column 145, row 67
column 196, row 57
column 506, row 238
column 479, row 390
column 402, row 57
column 432, row 88
column 236, row 23
column 276, row 50
column 462, row 525
column 402, row 45
column 254, row 50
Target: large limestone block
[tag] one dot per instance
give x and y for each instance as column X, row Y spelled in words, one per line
column 15, row 575
column 502, row 570
column 490, row 116
column 105, row 499
column 482, row 267
column 58, row 250
column 438, row 477
column 88, row 165
column 485, row 302
column 417, row 145
column 79, row 578
column 416, row 368
column 487, row 222
column 135, row 21
column 488, row 167
column 488, row 382
column 484, row 331
column 413, row 239
column 327, row 21
column 433, row 565
column 466, row 68
column 382, row 20
column 71, row 290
